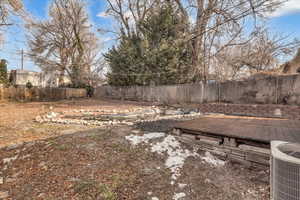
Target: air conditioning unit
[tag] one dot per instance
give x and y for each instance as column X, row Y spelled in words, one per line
column 285, row 171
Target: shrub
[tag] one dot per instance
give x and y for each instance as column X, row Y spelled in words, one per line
column 29, row 85
column 3, row 72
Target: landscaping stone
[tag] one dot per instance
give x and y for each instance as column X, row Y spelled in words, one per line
column 174, row 112
column 112, row 117
column 8, row 160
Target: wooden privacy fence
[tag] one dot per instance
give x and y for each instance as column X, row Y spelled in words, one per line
column 283, row 89
column 37, row 94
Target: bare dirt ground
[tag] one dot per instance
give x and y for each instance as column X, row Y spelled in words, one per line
column 82, row 162
column 17, row 119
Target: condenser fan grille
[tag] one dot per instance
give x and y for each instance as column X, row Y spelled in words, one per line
column 286, row 180
column 285, row 172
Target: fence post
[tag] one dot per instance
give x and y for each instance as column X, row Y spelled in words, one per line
column 219, row 92
column 1, row 92
column 202, row 92
column 276, row 90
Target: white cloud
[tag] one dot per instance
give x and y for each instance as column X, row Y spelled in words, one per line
column 289, row 7
column 106, row 39
column 102, row 14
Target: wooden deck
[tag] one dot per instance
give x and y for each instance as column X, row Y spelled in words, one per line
column 261, row 130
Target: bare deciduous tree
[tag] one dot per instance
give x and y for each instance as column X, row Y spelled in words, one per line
column 261, row 54
column 220, row 24
column 65, row 42
column 7, row 7
column 128, row 13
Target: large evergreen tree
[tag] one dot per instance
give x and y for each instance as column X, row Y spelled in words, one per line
column 156, row 55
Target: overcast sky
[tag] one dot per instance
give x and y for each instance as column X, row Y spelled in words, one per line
column 285, row 20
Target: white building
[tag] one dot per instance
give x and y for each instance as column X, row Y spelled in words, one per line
column 37, row 79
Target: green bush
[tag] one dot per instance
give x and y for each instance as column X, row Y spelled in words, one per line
column 29, row 85
column 3, row 72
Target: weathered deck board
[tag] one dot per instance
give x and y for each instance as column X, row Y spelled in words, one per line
column 254, row 129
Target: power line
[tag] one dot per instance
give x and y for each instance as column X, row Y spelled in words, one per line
column 136, row 74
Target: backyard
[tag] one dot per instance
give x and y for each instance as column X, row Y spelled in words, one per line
column 44, row 156
column 149, row 99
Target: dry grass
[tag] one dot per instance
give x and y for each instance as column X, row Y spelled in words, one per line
column 17, row 119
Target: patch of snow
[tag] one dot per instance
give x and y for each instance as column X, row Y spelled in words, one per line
column 176, row 155
column 135, row 139
column 178, row 196
column 209, row 158
column 182, row 185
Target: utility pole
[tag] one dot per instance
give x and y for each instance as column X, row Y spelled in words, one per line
column 22, row 59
